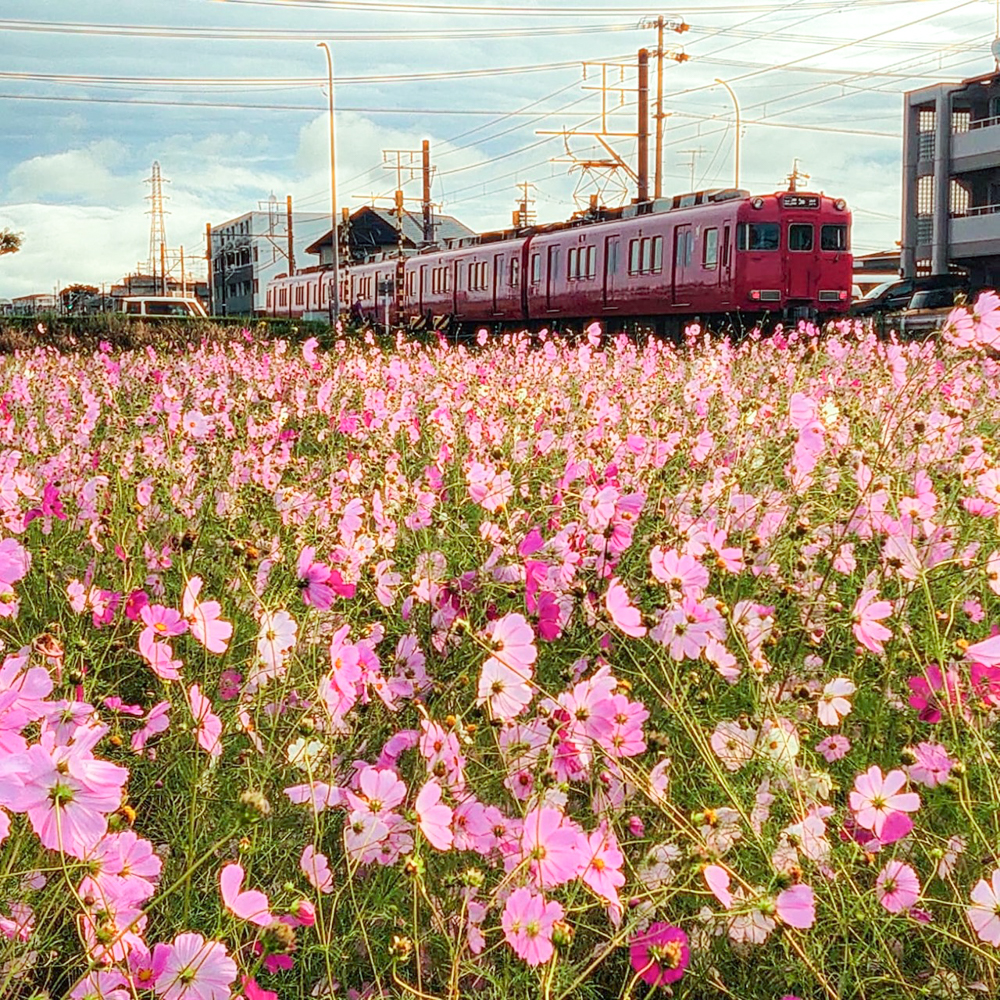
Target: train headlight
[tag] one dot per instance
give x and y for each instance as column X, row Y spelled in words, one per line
column 840, row 204
column 757, row 203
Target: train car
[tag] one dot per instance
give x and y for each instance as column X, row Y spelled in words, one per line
column 786, row 254
column 707, row 255
column 306, row 294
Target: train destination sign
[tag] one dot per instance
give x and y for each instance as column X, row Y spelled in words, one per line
column 800, row 201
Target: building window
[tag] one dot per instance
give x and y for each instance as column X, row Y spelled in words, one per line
column 710, row 249
column 927, row 120
column 923, row 268
column 925, row 195
column 959, row 199
column 961, row 118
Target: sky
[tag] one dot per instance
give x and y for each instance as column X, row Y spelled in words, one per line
column 230, row 97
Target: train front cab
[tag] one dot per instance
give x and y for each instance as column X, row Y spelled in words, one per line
column 793, row 255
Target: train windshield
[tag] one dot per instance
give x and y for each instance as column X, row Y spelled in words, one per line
column 758, row 236
column 833, row 238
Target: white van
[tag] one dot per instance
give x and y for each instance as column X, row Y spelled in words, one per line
column 161, row 305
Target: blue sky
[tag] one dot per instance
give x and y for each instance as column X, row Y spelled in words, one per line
column 818, row 80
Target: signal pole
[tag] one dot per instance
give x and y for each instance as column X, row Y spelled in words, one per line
column 643, row 171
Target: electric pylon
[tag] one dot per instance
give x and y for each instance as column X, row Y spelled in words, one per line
column 157, row 227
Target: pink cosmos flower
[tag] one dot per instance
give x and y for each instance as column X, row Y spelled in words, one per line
column 682, row 573
column 251, row 905
column 602, row 871
column 717, row 879
column 833, row 747
column 157, row 721
column 312, row 579
column 316, row 869
column 984, row 914
column 65, row 790
column 101, row 984
column 527, row 925
column 203, row 619
column 555, row 849
column 733, row 744
column 833, row 704
column 196, row 969
column 796, row 906
column 513, row 641
column 876, row 798
column 208, row 726
column 932, row 766
column 660, row 954
column 144, row 966
column 867, row 616
column 164, row 622
column 987, row 651
column 623, row 613
column 897, row 887
column 433, row 816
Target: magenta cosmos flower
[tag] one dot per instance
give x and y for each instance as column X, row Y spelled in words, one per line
column 876, row 798
column 897, row 887
column 527, row 925
column 660, row 954
column 196, row 969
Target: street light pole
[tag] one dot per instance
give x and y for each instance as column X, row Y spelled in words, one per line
column 335, row 290
column 736, row 104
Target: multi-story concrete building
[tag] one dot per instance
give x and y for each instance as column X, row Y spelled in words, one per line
column 248, row 251
column 951, row 180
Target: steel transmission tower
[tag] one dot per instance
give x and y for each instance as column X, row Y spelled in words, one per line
column 157, row 228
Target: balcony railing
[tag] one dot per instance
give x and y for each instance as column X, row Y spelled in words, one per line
column 977, row 210
column 984, row 122
column 926, row 145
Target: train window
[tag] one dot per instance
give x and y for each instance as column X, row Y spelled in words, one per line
column 515, row 272
column 800, row 237
column 611, row 255
column 710, row 249
column 833, row 238
column 657, row 254
column 591, row 271
column 758, row 236
column 633, row 256
column 646, row 257
column 572, row 267
column 536, row 268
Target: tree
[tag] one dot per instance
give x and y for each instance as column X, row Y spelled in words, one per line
column 10, row 242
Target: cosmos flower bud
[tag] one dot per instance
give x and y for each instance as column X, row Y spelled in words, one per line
column 401, row 948
column 472, row 877
column 279, row 937
column 253, row 806
column 562, row 934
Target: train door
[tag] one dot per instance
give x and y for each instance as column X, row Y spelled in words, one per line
column 552, row 280
column 421, row 281
column 801, row 260
column 612, row 253
column 497, row 279
column 681, row 271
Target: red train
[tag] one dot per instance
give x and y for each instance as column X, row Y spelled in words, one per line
column 708, row 255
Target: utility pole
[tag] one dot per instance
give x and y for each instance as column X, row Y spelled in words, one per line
column 428, row 216
column 208, row 266
column 678, row 25
column 335, row 284
column 695, row 153
column 291, row 239
column 406, row 160
column 795, row 176
column 163, row 269
column 523, row 216
column 643, row 130
column 184, row 284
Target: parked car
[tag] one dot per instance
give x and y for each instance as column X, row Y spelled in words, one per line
column 162, row 305
column 926, row 311
column 893, row 296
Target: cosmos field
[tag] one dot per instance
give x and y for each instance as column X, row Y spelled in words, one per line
column 527, row 668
